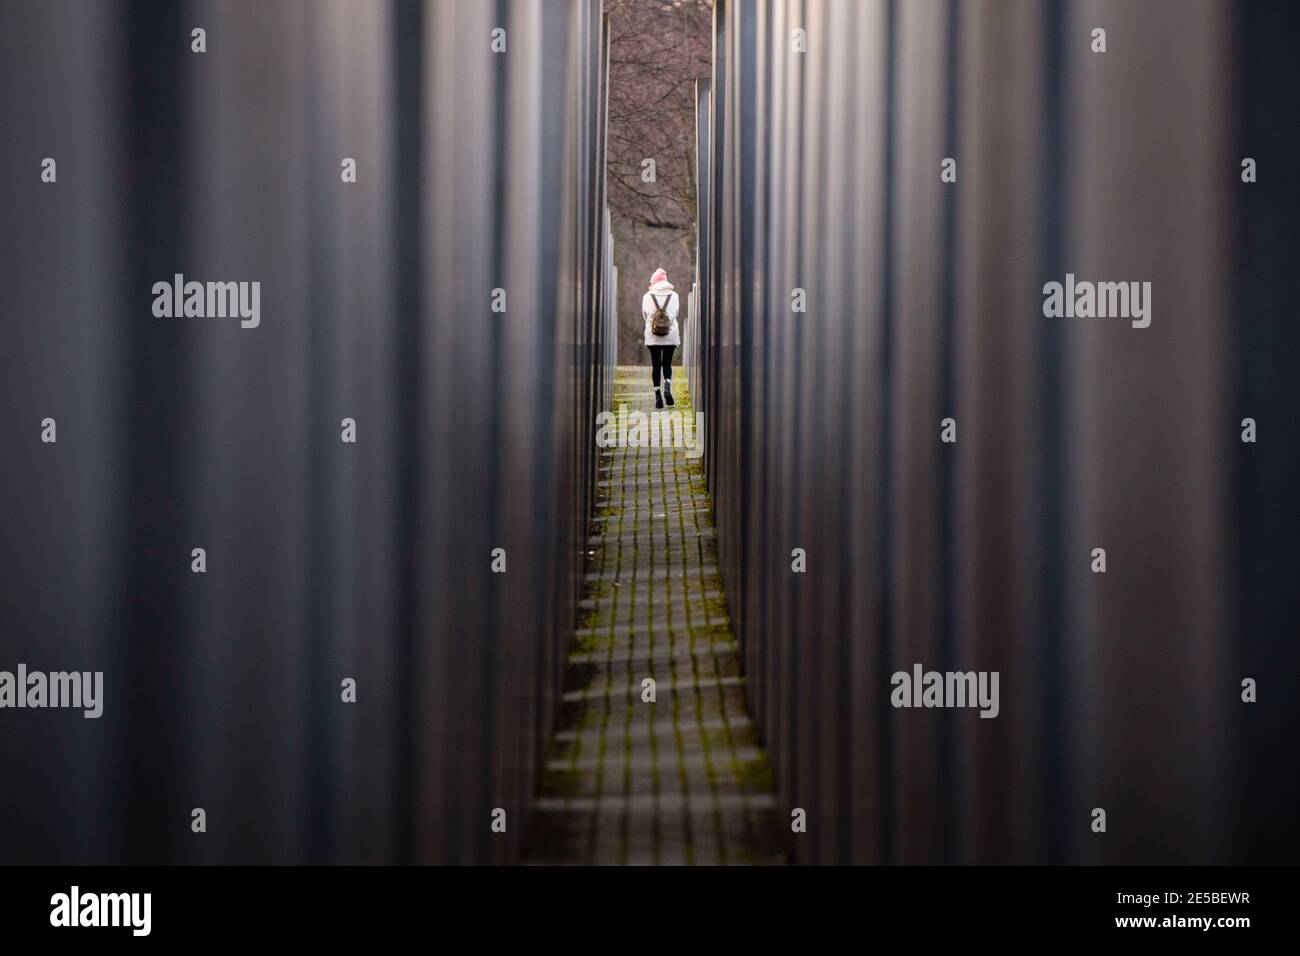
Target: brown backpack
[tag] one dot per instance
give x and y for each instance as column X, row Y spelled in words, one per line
column 661, row 323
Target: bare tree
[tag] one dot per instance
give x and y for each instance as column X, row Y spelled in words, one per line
column 658, row 49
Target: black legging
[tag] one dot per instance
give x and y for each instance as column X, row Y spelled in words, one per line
column 661, row 357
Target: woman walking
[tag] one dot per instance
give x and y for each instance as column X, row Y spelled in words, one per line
column 659, row 307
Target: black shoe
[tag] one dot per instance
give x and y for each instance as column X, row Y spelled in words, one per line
column 668, row 391
column 659, row 402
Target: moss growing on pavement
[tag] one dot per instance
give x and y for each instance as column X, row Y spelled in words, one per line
column 561, row 781
column 754, row 776
column 630, row 780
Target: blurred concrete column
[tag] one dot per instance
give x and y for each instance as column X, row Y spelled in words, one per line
column 1152, row 432
column 1002, row 398
column 920, row 461
column 243, row 655
column 62, row 539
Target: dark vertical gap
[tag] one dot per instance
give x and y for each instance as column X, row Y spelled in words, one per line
column 763, row 632
column 322, row 634
column 407, row 207
column 594, row 198
column 717, row 195
column 578, row 458
column 754, row 537
column 598, row 276
column 946, row 844
column 1054, row 687
column 886, row 582
column 746, row 107
column 551, row 523
column 1267, row 472
column 159, row 442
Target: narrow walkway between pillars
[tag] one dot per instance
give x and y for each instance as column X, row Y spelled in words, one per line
column 680, row 780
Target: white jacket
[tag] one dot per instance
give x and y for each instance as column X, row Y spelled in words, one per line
column 659, row 291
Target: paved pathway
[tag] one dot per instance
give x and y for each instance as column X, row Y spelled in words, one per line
column 681, row 780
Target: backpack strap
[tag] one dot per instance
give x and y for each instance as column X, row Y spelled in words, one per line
column 658, row 307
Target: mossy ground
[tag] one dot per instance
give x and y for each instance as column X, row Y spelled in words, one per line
column 681, row 779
